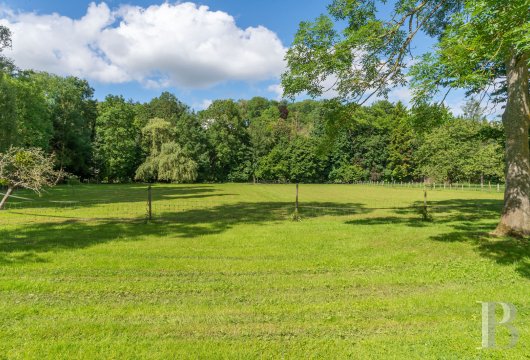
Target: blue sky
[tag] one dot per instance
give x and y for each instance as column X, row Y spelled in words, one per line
column 237, row 62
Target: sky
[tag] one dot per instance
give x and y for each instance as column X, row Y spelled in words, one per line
column 199, row 50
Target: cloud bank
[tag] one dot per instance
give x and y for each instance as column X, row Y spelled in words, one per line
column 172, row 44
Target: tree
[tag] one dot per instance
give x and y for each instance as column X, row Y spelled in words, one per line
column 8, row 112
column 456, row 152
column 401, row 148
column 5, row 38
column 306, row 163
column 26, row 168
column 117, row 141
column 167, row 161
column 73, row 112
column 347, row 173
column 480, row 44
column 34, row 124
column 473, row 110
column 261, row 142
column 275, row 165
column 6, row 65
column 156, row 133
column 24, row 115
column 170, row 164
column 191, row 136
column 228, row 139
column 166, row 107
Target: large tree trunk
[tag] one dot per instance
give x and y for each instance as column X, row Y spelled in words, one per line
column 515, row 218
column 6, row 196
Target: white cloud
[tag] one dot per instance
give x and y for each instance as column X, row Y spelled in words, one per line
column 276, row 89
column 401, row 93
column 180, row 44
column 203, row 105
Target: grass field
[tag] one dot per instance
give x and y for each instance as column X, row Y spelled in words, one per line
column 222, row 272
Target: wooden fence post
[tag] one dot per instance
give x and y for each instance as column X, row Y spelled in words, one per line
column 149, row 203
column 425, row 212
column 296, row 203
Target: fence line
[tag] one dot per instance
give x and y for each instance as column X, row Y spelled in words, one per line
column 134, row 208
column 436, row 186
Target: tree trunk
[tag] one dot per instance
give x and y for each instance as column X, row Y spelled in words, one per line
column 6, row 196
column 515, row 218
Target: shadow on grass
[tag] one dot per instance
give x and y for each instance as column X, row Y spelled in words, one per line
column 92, row 195
column 471, row 221
column 25, row 243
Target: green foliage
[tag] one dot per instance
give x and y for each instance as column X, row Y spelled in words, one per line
column 254, row 140
column 360, row 54
column 426, row 117
column 25, row 118
column 170, row 164
column 306, row 163
column 5, row 37
column 275, row 166
column 166, row 107
column 228, row 140
column 34, row 120
column 73, row 112
column 401, row 150
column 167, row 161
column 117, row 141
column 474, row 48
column 347, row 174
column 8, row 113
column 298, row 161
column 156, row 133
column 455, row 152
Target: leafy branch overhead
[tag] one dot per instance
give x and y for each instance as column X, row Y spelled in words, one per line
column 359, row 55
column 358, row 51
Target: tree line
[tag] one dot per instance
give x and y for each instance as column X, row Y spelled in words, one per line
column 119, row 140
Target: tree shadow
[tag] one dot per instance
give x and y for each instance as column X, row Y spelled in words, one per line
column 470, row 221
column 28, row 243
column 69, row 196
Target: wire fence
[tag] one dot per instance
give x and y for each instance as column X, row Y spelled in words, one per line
column 491, row 187
column 141, row 205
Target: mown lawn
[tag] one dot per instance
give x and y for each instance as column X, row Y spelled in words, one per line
column 222, row 272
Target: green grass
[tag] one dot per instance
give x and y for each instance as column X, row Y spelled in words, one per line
column 223, row 273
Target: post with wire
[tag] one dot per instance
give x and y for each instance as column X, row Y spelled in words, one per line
column 149, row 203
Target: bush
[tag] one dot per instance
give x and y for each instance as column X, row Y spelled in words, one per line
column 347, row 174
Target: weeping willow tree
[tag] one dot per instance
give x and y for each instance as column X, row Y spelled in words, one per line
column 482, row 46
column 167, row 161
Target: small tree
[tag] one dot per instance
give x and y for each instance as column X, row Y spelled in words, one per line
column 28, row 169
